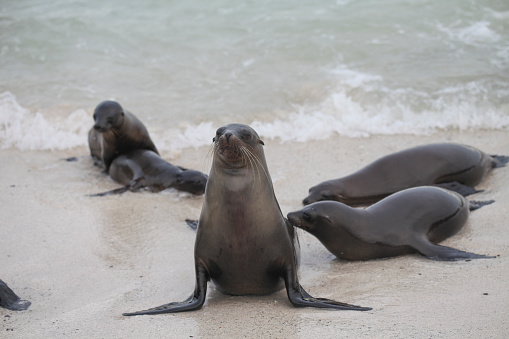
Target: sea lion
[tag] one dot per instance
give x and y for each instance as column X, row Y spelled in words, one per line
column 412, row 220
column 143, row 168
column 115, row 132
column 243, row 242
column 452, row 166
column 9, row 299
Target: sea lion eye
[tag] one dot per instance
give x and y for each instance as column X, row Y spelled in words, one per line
column 94, row 116
column 306, row 216
column 246, row 135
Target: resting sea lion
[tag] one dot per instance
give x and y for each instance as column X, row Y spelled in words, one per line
column 116, row 132
column 144, row 168
column 9, row 299
column 451, row 166
column 243, row 242
column 412, row 220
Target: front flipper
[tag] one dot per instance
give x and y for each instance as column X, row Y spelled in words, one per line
column 464, row 190
column 444, row 253
column 300, row 298
column 194, row 302
column 133, row 186
column 10, row 300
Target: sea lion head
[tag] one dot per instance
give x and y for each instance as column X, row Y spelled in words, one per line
column 108, row 114
column 327, row 190
column 312, row 216
column 191, row 181
column 237, row 146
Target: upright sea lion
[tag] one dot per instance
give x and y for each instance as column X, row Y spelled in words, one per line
column 452, row 166
column 9, row 299
column 412, row 220
column 143, row 168
column 116, row 132
column 243, row 242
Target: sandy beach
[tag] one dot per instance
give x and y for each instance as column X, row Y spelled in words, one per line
column 83, row 261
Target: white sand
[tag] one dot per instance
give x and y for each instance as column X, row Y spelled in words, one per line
column 84, row 261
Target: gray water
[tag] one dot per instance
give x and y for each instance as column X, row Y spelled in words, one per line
column 312, row 68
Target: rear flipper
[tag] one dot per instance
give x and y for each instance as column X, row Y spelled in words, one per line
column 464, row 190
column 194, row 302
column 9, row 299
column 476, row 204
column 192, row 223
column 300, row 298
column 443, row 253
column 500, row 160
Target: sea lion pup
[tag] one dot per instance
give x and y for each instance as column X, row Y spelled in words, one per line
column 116, row 132
column 243, row 242
column 452, row 166
column 412, row 220
column 143, row 168
column 9, row 299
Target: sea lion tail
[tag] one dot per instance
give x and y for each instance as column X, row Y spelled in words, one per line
column 476, row 204
column 500, row 160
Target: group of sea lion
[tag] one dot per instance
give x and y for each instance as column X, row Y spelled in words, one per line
column 246, row 246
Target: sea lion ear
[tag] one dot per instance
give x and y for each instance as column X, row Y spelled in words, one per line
column 261, row 142
column 326, row 217
column 122, row 113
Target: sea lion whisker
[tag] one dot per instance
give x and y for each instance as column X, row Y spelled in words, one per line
column 253, row 163
column 210, row 154
column 259, row 162
column 246, row 157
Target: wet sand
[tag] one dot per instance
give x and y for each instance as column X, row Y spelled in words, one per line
column 83, row 261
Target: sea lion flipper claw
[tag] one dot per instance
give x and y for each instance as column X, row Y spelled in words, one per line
column 194, row 302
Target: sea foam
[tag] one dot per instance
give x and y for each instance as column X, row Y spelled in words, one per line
column 24, row 130
column 349, row 110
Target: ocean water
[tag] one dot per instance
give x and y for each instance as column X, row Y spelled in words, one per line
column 294, row 70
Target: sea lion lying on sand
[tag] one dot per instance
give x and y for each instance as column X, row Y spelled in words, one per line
column 412, row 220
column 452, row 166
column 143, row 168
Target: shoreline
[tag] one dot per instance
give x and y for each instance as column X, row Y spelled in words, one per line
column 84, row 261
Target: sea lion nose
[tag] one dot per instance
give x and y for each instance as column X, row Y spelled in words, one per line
column 227, row 136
